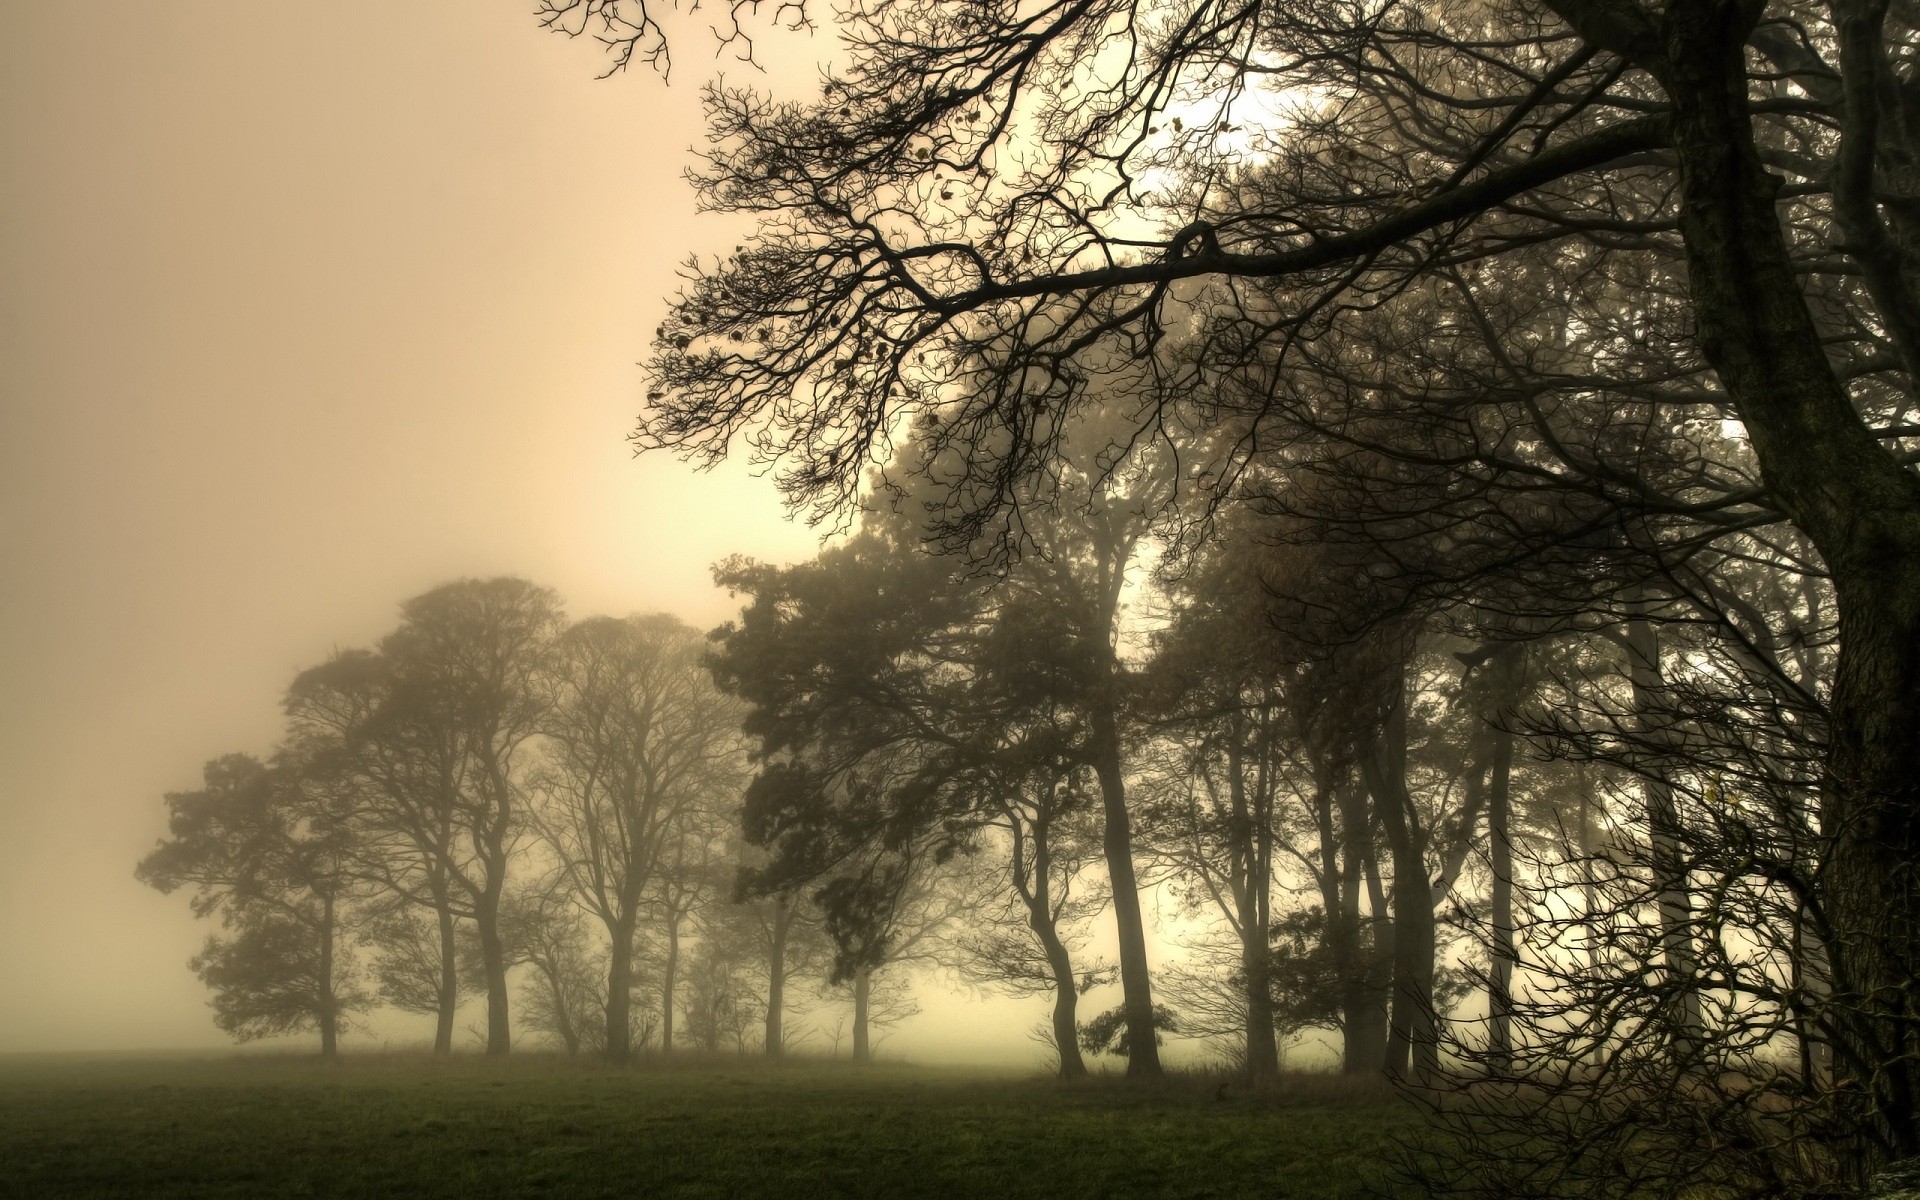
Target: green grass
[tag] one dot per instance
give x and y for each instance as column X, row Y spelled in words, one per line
column 404, row 1126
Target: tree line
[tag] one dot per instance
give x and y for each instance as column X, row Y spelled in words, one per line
column 492, row 789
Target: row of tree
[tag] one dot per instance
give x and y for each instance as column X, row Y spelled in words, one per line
column 494, row 789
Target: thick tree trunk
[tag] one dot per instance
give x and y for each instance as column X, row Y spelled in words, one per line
column 620, row 992
column 493, row 959
column 862, row 990
column 669, row 981
column 777, row 985
column 449, row 978
column 1857, row 503
column 1143, row 1059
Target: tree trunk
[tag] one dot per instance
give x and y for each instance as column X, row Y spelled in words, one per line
column 493, row 958
column 777, row 983
column 1674, row 902
column 1251, row 900
column 1363, row 1039
column 329, row 1005
column 449, row 978
column 1861, row 508
column 1378, row 962
column 1500, row 852
column 1412, row 1040
column 1143, row 1059
column 1045, row 923
column 620, row 992
column 669, row 980
column 862, row 987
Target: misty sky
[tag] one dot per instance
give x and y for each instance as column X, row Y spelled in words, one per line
column 308, row 307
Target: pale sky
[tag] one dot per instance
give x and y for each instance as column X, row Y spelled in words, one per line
column 308, row 307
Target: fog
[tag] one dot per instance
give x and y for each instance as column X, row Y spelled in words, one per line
column 307, row 309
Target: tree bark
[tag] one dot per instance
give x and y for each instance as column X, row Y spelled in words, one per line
column 620, row 992
column 1378, row 961
column 1412, row 1040
column 1252, row 900
column 493, row 959
column 669, row 981
column 1143, row 1059
column 862, row 988
column 777, row 985
column 1677, row 951
column 1044, row 921
column 329, row 1004
column 449, row 976
column 1858, row 505
column 1500, row 854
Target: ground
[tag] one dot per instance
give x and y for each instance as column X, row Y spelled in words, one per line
column 398, row 1126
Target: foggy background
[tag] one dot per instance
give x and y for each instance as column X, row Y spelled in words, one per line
column 307, row 309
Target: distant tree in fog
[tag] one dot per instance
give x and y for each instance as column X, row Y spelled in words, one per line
column 638, row 742
column 563, row 994
column 468, row 663
column 374, row 732
column 266, row 850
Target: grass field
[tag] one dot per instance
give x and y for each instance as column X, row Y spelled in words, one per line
column 403, row 1126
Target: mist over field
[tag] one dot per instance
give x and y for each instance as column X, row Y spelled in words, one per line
column 1085, row 597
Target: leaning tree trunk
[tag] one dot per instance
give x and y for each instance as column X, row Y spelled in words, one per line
column 1857, row 503
column 1036, row 892
column 1143, row 1058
